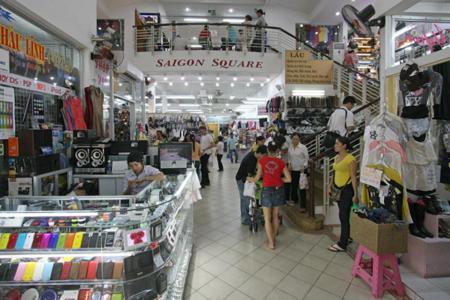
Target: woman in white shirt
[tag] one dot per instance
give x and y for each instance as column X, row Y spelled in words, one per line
column 298, row 158
column 219, row 152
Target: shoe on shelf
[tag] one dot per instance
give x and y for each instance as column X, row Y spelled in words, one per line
column 415, row 231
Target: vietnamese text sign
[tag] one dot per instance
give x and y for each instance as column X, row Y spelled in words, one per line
column 371, row 176
column 301, row 68
column 18, row 81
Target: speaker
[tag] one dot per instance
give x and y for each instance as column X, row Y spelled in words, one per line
column 31, row 141
column 90, row 158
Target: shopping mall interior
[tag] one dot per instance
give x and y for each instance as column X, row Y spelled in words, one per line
column 224, row 149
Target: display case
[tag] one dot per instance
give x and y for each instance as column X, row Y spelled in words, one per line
column 117, row 247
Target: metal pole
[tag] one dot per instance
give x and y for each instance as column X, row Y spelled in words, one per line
column 312, row 202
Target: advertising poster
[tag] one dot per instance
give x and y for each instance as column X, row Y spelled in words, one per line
column 7, row 124
column 150, row 18
column 112, row 31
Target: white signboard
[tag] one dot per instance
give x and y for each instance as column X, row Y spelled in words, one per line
column 30, row 84
column 371, row 176
column 4, row 60
column 7, row 124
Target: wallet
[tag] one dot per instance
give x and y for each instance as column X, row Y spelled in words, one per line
column 56, row 271
column 82, row 273
column 65, row 272
column 85, row 242
column 108, row 270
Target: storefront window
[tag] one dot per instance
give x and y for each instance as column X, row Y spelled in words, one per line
column 416, row 38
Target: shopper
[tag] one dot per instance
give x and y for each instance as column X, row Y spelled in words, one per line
column 232, row 148
column 350, row 59
column 258, row 40
column 248, row 33
column 342, row 119
column 260, row 140
column 206, row 144
column 248, row 169
column 219, row 152
column 298, row 158
column 139, row 175
column 196, row 152
column 274, row 173
column 344, row 183
column 204, row 38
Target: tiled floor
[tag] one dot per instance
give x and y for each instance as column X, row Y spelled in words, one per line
column 229, row 262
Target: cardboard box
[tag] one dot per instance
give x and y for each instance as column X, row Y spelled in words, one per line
column 380, row 238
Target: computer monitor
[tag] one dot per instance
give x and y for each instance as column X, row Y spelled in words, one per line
column 175, row 158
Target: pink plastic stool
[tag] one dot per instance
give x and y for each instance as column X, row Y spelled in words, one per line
column 380, row 278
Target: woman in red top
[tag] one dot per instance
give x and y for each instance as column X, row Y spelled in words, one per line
column 274, row 174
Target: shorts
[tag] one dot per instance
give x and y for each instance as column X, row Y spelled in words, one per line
column 272, row 197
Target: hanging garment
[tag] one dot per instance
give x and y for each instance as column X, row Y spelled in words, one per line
column 97, row 97
column 392, row 179
column 88, row 112
column 68, row 113
column 77, row 113
column 442, row 111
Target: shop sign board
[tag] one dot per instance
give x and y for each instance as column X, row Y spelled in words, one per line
column 18, row 81
column 301, row 68
column 7, row 123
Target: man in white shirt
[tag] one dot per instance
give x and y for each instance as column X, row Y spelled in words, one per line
column 342, row 119
column 206, row 145
column 298, row 160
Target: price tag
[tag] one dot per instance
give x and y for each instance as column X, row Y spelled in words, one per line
column 371, row 176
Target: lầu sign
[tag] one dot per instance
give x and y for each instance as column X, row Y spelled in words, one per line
column 15, row 41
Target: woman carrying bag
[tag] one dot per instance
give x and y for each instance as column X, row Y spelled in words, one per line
column 342, row 188
column 274, row 173
column 298, row 158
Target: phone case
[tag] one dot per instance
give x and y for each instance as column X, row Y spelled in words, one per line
column 85, row 242
column 92, row 270
column 93, row 240
column 108, row 270
column 109, row 239
column 12, row 271
column 65, row 273
column 100, row 270
column 37, row 275
column 20, row 271
column 21, row 241
column 74, row 270
column 83, row 269
column 117, row 271
column 69, row 240
column 45, row 240
column 29, row 271
column 101, row 240
column 85, row 294
column 4, row 240
column 47, row 273
column 117, row 296
column 29, row 241
column 3, row 271
column 56, row 271
column 78, row 239
column 61, row 240
column 37, row 240
column 53, row 240
column 12, row 240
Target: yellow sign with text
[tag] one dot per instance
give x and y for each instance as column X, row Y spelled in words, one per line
column 301, row 68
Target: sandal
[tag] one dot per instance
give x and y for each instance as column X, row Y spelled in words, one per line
column 335, row 248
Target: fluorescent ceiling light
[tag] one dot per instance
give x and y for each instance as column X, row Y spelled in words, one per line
column 234, row 78
column 268, row 79
column 251, row 78
column 308, row 93
column 186, row 83
column 196, row 46
column 338, row 13
column 160, row 104
column 217, row 84
column 202, row 84
column 173, row 110
column 182, row 78
column 254, row 102
column 196, row 20
column 176, row 97
column 189, row 105
column 261, row 84
column 165, row 78
column 228, row 104
column 248, row 84
column 170, row 83
column 231, row 97
column 236, row 21
column 217, row 78
column 255, row 99
column 200, row 78
column 231, row 84
column 195, row 111
column 187, row 9
column 230, row 10
column 47, row 214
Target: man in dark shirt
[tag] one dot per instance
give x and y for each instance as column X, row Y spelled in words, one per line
column 246, row 169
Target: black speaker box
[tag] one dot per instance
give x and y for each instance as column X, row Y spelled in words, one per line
column 31, row 141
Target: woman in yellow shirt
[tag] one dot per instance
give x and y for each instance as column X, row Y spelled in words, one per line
column 344, row 178
column 196, row 152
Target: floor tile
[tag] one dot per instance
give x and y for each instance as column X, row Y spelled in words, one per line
column 200, row 257
column 357, row 293
column 234, row 277
column 199, row 278
column 315, row 262
column 236, row 295
column 302, row 245
column 262, row 255
column 256, row 288
column 280, row 295
column 435, row 295
column 293, row 254
column 249, row 265
column 202, row 242
column 332, row 285
column 216, row 289
column 443, row 283
column 311, row 238
column 215, row 249
column 318, row 294
column 322, row 252
column 244, row 247
column 340, row 272
column 282, row 264
column 343, row 259
column 228, row 241
column 197, row 296
column 294, row 286
column 231, row 256
column 215, row 235
column 270, row 275
column 305, row 273
column 216, row 267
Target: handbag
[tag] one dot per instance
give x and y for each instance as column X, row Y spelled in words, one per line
column 335, row 195
column 303, row 181
column 249, row 189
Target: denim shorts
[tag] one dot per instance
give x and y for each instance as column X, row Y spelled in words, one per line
column 273, row 197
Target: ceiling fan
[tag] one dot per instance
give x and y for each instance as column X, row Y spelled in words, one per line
column 360, row 21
